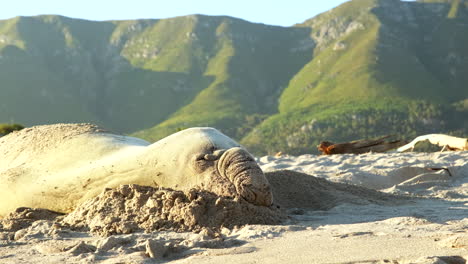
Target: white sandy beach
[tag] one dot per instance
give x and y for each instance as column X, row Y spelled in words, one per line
column 424, row 221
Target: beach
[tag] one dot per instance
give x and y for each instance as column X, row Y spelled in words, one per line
column 369, row 208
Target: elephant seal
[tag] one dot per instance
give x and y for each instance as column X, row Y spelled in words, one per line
column 57, row 167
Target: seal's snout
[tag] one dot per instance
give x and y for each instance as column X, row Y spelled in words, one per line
column 240, row 168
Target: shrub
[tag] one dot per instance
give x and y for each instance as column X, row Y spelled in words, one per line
column 8, row 128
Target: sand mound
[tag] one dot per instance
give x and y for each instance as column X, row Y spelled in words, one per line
column 38, row 138
column 299, row 190
column 133, row 208
column 23, row 217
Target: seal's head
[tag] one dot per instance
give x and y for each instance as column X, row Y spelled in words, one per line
column 234, row 172
column 219, row 164
column 207, row 158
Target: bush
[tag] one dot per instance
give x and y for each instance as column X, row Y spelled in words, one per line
column 8, row 128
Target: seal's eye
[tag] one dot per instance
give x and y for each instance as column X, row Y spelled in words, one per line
column 199, row 157
column 205, row 157
column 200, row 163
column 211, row 157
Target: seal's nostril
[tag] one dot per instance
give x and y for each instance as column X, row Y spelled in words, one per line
column 219, row 152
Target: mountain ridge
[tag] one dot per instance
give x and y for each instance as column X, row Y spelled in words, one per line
column 272, row 88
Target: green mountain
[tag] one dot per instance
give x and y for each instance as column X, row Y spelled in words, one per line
column 131, row 75
column 363, row 69
column 379, row 67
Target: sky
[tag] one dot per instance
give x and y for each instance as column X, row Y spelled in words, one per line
column 271, row 12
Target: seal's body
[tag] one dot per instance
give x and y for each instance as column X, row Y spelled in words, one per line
column 59, row 166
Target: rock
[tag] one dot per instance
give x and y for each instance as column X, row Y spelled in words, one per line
column 81, row 248
column 54, row 246
column 456, row 241
column 6, row 235
column 439, row 260
column 339, row 46
column 206, row 233
column 112, row 242
column 20, row 234
column 155, row 248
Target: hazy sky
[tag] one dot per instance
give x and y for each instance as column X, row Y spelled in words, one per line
column 273, row 12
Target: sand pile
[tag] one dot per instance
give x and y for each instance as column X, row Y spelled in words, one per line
column 133, row 208
column 23, row 217
column 299, row 190
column 440, row 174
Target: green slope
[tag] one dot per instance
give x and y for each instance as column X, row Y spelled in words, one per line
column 96, row 71
column 247, row 79
column 130, row 75
column 392, row 69
column 28, row 86
column 363, row 69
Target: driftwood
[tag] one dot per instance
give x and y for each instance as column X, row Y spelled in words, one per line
column 360, row 146
column 444, row 141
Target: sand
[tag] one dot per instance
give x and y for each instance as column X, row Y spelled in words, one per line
column 370, row 208
column 134, row 208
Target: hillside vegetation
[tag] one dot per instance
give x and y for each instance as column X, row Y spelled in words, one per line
column 364, row 69
column 380, row 67
column 6, row 129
